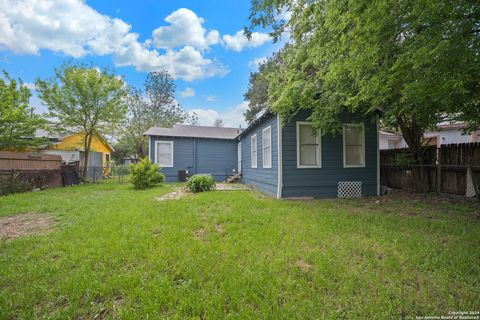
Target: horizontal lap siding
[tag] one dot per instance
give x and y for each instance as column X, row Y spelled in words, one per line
column 265, row 179
column 323, row 182
column 216, row 156
column 213, row 156
column 182, row 155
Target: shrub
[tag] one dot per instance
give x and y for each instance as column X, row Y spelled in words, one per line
column 145, row 174
column 200, row 182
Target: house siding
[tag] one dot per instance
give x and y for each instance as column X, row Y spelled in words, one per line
column 264, row 179
column 217, row 157
column 323, row 182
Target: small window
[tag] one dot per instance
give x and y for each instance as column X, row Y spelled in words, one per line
column 308, row 146
column 253, row 153
column 353, row 145
column 392, row 144
column 164, row 154
column 267, row 147
column 107, row 157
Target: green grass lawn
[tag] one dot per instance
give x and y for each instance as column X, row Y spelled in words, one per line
column 120, row 253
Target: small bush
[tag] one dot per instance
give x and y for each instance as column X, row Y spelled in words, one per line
column 200, row 182
column 145, row 174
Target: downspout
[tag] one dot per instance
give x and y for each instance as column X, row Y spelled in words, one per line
column 280, row 164
column 378, row 155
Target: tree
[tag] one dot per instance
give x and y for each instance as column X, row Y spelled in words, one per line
column 416, row 61
column 86, row 98
column 218, row 123
column 156, row 107
column 17, row 120
column 257, row 91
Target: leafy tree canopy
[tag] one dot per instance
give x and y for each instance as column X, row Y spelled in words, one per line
column 257, row 91
column 85, row 97
column 17, row 119
column 417, row 61
column 154, row 107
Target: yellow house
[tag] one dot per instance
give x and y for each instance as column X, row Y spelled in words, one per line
column 70, row 147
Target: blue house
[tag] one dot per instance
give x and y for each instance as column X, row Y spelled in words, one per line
column 198, row 149
column 284, row 161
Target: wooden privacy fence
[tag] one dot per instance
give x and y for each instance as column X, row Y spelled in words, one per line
column 453, row 168
column 32, row 165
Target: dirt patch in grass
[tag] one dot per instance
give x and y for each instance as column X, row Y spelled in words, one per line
column 303, row 265
column 219, row 229
column 175, row 195
column 199, row 234
column 25, row 224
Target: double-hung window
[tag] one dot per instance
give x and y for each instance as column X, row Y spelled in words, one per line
column 267, row 147
column 164, row 154
column 253, row 151
column 353, row 145
column 309, row 148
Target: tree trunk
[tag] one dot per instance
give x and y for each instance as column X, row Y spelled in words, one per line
column 86, row 147
column 413, row 133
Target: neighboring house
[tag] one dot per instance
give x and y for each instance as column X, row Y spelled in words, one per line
column 129, row 160
column 446, row 133
column 283, row 161
column 391, row 140
column 69, row 146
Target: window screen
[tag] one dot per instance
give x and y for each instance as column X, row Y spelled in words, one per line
column 267, row 147
column 253, row 146
column 308, row 146
column 353, row 145
column 165, row 154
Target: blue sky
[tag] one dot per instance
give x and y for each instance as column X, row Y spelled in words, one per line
column 199, row 42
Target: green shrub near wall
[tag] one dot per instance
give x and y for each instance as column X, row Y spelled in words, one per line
column 145, row 174
column 200, row 182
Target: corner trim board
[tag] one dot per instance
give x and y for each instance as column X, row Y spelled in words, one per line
column 280, row 163
column 150, row 148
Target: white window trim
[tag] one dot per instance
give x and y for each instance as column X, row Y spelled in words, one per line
column 263, row 147
column 319, row 155
column 344, row 145
column 256, row 151
column 156, row 153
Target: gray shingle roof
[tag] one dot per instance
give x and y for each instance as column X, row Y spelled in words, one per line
column 182, row 130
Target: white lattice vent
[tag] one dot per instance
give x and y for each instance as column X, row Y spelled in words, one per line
column 349, row 189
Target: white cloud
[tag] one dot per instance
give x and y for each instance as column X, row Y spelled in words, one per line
column 30, row 85
column 253, row 64
column 186, row 28
column 232, row 117
column 239, row 41
column 187, row 63
column 188, row 92
column 211, row 98
column 73, row 28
